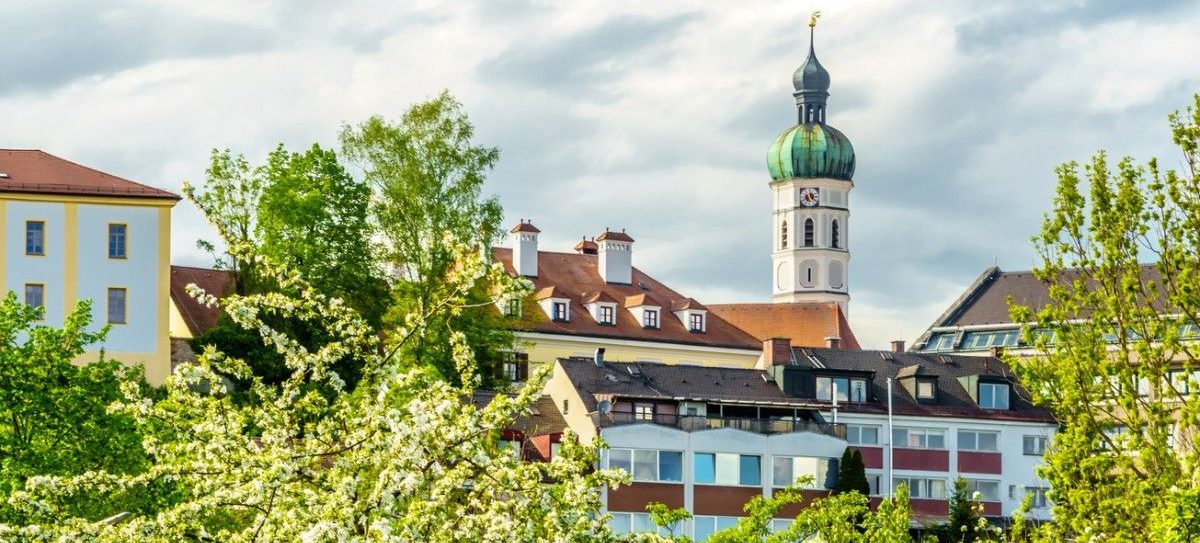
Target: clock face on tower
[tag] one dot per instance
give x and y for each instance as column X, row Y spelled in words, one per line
column 809, row 197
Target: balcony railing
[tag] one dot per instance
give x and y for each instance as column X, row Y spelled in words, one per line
column 693, row 423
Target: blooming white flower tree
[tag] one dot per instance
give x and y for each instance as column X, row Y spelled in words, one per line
column 404, row 457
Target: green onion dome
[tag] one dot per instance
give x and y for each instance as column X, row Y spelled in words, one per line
column 811, row 150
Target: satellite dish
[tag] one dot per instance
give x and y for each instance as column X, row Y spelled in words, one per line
column 604, row 407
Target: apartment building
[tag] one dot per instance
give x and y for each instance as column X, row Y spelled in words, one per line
column 73, row 233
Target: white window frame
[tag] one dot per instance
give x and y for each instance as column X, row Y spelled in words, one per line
column 922, row 487
column 633, row 463
column 1041, row 441
column 716, row 523
column 731, row 461
column 797, row 467
column 650, row 318
column 854, row 434
column 566, row 311
column 924, row 432
column 973, row 485
column 974, row 445
column 1007, row 395
column 607, row 314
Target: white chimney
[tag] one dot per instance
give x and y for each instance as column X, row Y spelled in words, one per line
column 616, row 257
column 525, row 250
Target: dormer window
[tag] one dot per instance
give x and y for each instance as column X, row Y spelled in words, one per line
column 696, row 322
column 561, row 312
column 993, row 395
column 848, row 389
column 512, row 308
column 606, row 315
column 926, row 390
column 650, row 318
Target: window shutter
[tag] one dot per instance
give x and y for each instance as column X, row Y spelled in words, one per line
column 523, row 368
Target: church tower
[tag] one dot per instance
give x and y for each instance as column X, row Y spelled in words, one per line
column 811, row 166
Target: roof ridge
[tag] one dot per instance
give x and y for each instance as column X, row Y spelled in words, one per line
column 101, row 172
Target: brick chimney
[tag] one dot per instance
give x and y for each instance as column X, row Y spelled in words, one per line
column 897, row 345
column 777, row 351
column 525, row 248
column 833, row 342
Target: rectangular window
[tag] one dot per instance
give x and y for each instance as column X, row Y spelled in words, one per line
column 993, row 396
column 934, row 489
column 1034, row 445
column 919, row 438
column 989, row 491
column 606, row 314
column 703, row 526
column 696, row 322
column 511, row 372
column 560, row 311
column 643, row 411
column 632, row 523
column 1040, row 500
column 970, row 440
column 648, row 464
column 926, row 389
column 858, row 390
column 786, row 469
column 35, row 295
column 857, row 434
column 873, row 481
column 116, row 240
column 650, row 316
column 512, row 308
column 726, row 469
column 116, row 305
column 35, row 238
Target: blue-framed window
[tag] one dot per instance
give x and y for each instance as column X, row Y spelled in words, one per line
column 116, row 240
column 35, row 238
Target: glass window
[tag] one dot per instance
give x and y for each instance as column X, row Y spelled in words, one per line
column 970, row 440
column 786, row 469
column 621, row 523
column 670, row 466
column 703, row 528
column 621, row 459
column 924, row 488
column 35, row 238
column 643, row 411
column 781, row 471
column 645, row 465
column 926, row 390
column 826, row 385
column 704, row 468
column 1034, row 445
column 35, row 295
column 696, row 322
column 808, row 234
column 919, row 438
column 780, row 524
column 116, row 305
column 651, row 318
column 873, row 481
column 1039, row 497
column 989, row 490
column 993, row 395
column 642, row 523
column 857, row 434
column 858, row 390
column 560, row 311
column 727, row 469
column 510, row 372
column 606, row 314
column 750, row 470
column 116, row 241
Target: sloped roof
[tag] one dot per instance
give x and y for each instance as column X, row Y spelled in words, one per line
column 615, row 236
column 525, row 227
column 577, row 275
column 953, row 400
column 198, row 317
column 673, row 382
column 32, row 171
column 805, row 323
column 543, row 419
column 638, row 300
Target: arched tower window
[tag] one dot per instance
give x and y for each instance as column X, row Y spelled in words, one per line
column 833, row 232
column 808, row 232
column 783, row 235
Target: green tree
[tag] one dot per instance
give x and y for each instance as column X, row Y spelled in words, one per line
column 1117, row 345
column 53, row 418
column 963, row 518
column 852, row 473
column 427, row 175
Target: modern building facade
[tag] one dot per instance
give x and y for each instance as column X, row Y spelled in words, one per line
column 72, row 233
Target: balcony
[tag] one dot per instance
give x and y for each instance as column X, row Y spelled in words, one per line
column 695, row 423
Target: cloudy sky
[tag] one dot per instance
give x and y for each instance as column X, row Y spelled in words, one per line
column 649, row 116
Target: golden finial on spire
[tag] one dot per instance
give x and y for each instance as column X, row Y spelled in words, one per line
column 812, row 19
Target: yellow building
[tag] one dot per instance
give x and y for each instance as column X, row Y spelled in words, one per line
column 73, row 233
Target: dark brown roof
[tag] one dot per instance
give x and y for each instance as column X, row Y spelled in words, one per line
column 805, row 323
column 39, row 172
column 525, row 227
column 615, row 236
column 672, row 382
column 198, row 317
column 953, row 400
column 542, row 419
column 577, row 275
column 986, row 300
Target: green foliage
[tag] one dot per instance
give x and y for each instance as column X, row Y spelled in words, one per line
column 1124, row 464
column 852, row 473
column 53, row 418
column 964, row 519
column 427, row 175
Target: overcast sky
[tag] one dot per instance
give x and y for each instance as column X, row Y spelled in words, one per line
column 649, row 116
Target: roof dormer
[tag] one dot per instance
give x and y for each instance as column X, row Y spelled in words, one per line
column 556, row 303
column 920, row 384
column 693, row 315
column 646, row 310
column 602, row 307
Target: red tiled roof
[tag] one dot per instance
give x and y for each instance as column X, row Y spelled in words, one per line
column 807, row 324
column 615, row 236
column 598, row 296
column 585, row 245
column 198, row 317
column 39, row 172
column 689, row 303
column 525, row 227
column 578, row 276
column 638, row 300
